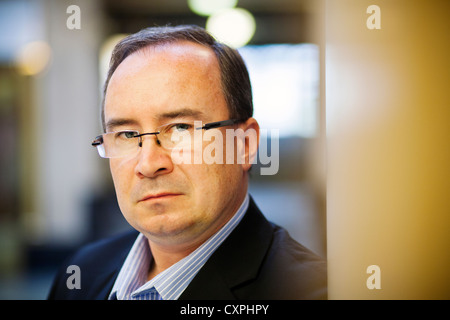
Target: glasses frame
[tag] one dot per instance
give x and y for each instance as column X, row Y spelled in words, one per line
column 211, row 125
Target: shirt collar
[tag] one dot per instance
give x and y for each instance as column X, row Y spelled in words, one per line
column 169, row 284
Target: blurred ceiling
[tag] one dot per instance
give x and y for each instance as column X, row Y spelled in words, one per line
column 280, row 21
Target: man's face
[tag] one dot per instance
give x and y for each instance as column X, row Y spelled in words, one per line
column 172, row 204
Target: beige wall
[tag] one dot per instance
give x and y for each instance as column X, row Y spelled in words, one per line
column 388, row 127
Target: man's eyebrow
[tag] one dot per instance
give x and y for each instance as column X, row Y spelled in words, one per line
column 112, row 123
column 185, row 112
column 166, row 116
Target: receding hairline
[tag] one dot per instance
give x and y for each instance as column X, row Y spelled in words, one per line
column 205, row 59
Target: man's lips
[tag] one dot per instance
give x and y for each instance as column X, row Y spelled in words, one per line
column 163, row 195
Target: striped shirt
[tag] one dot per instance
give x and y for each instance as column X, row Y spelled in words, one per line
column 132, row 284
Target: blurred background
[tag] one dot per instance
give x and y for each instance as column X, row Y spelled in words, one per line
column 386, row 128
column 56, row 193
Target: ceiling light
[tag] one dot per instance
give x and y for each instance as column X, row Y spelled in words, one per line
column 209, row 7
column 33, row 58
column 234, row 27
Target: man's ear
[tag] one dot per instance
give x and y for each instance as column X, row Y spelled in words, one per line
column 251, row 142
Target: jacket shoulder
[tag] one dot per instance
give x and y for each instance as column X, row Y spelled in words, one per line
column 98, row 253
column 295, row 272
column 100, row 258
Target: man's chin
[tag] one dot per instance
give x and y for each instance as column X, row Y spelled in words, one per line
column 167, row 226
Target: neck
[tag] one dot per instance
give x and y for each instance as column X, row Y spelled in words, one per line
column 165, row 255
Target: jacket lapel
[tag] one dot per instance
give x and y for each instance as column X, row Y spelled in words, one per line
column 236, row 261
column 101, row 285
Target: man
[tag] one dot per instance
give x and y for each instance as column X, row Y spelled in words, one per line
column 199, row 235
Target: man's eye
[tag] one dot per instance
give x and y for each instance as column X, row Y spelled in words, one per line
column 181, row 127
column 126, row 134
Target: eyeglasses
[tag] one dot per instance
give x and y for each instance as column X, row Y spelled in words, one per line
column 169, row 136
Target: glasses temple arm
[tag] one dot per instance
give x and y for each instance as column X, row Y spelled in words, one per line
column 219, row 124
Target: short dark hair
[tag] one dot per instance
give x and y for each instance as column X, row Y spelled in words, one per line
column 235, row 80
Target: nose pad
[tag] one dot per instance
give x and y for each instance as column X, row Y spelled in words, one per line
column 141, row 141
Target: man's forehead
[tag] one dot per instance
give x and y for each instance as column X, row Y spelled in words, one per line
column 166, row 79
column 178, row 61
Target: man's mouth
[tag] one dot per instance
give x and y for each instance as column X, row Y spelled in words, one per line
column 159, row 196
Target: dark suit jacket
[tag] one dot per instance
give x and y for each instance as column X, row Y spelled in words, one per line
column 258, row 260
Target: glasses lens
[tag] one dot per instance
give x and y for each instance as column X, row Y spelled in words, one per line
column 178, row 135
column 120, row 144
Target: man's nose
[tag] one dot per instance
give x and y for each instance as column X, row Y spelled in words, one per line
column 153, row 160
